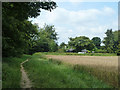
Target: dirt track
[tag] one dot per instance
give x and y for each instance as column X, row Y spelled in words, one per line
column 99, row 61
column 25, row 82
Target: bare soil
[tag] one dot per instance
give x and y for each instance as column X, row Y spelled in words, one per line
column 110, row 62
column 25, row 81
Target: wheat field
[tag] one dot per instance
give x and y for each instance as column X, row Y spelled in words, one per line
column 104, row 67
column 93, row 61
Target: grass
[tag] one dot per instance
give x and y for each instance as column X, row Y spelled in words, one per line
column 110, row 77
column 86, row 54
column 11, row 75
column 53, row 74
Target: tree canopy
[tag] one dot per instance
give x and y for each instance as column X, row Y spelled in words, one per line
column 80, row 43
column 46, row 39
column 96, row 41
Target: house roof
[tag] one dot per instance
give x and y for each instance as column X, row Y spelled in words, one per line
column 84, row 50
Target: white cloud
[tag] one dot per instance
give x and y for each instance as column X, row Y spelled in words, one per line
column 74, row 23
column 108, row 10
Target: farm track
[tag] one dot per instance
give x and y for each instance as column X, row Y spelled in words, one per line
column 109, row 63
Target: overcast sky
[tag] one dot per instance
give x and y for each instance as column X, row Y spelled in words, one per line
column 73, row 19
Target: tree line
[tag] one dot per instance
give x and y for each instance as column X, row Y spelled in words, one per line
column 111, row 43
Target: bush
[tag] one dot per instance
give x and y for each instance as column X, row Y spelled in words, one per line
column 100, row 51
column 61, row 50
column 88, row 51
column 118, row 53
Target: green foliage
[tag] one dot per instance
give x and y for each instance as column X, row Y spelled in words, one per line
column 102, row 47
column 61, row 50
column 62, row 45
column 49, row 30
column 118, row 50
column 18, row 34
column 96, row 41
column 88, row 51
column 81, row 43
column 111, row 41
column 100, row 51
column 117, row 41
column 46, row 40
column 17, row 39
column 53, row 46
column 21, row 11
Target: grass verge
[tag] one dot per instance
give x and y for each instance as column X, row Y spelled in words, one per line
column 86, row 54
column 53, row 74
column 11, row 74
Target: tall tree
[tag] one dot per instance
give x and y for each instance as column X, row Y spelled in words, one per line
column 46, row 40
column 96, row 41
column 50, row 29
column 109, row 41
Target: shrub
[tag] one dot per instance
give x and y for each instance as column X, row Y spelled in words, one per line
column 88, row 51
column 61, row 50
column 100, row 51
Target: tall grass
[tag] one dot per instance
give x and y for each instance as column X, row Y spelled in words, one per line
column 11, row 75
column 53, row 74
column 102, row 73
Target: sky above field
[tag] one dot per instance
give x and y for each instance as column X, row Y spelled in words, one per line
column 71, row 19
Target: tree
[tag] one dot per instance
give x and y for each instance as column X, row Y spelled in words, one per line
column 118, row 49
column 23, row 11
column 109, row 41
column 46, row 41
column 96, row 41
column 50, row 32
column 80, row 43
column 62, row 45
column 18, row 32
column 117, row 41
column 53, row 46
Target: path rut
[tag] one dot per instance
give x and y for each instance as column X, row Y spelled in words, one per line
column 25, row 81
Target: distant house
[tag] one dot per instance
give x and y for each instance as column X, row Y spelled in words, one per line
column 84, row 50
column 81, row 53
column 70, row 50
